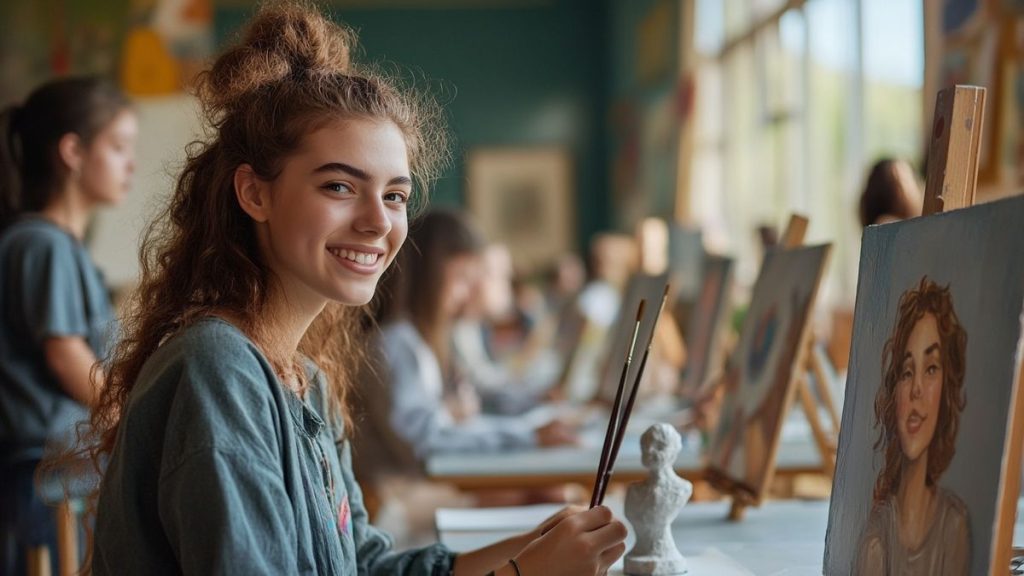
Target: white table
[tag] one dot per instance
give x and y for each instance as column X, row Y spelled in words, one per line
column 779, row 538
column 552, row 466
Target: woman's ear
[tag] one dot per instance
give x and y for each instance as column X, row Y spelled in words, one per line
column 253, row 193
column 71, row 152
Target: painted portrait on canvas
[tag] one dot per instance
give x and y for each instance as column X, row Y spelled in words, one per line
column 917, row 526
column 759, row 377
column 704, row 333
column 923, row 483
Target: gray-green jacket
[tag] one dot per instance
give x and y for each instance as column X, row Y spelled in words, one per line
column 219, row 469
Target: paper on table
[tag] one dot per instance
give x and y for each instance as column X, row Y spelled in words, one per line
column 710, row 562
column 510, row 518
column 575, row 415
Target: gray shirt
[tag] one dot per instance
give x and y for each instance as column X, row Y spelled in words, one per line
column 418, row 413
column 219, row 469
column 49, row 287
column 945, row 550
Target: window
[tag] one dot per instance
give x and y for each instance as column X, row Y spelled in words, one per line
column 793, row 105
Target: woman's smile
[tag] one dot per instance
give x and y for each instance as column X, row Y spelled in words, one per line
column 359, row 260
column 914, row 422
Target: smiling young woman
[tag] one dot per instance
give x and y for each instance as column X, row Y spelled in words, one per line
column 224, row 422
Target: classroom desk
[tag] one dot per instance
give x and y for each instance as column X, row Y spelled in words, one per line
column 544, row 467
column 778, row 538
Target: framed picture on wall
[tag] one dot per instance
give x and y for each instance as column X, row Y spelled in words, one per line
column 523, row 197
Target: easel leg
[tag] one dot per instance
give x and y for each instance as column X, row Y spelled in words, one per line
column 67, row 540
column 824, row 391
column 737, row 510
column 820, row 437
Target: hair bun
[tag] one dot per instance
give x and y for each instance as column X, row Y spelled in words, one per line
column 285, row 41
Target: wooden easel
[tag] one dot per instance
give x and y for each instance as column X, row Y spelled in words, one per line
column 826, row 440
column 952, row 184
column 953, row 150
column 652, row 238
column 742, row 498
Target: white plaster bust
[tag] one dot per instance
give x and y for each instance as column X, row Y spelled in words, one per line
column 653, row 504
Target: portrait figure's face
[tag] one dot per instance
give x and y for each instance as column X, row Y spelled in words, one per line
column 919, row 388
column 659, row 446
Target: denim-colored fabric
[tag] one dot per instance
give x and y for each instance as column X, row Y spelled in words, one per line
column 219, row 469
column 49, row 287
column 417, row 411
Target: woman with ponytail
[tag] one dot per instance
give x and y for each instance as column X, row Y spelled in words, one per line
column 224, row 418
column 67, row 151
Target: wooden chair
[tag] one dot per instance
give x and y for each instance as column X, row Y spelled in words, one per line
column 68, row 563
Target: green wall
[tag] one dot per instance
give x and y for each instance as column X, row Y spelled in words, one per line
column 645, row 103
column 510, row 76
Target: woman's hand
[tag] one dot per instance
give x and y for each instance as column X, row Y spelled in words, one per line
column 577, row 543
column 463, row 403
column 555, row 433
column 554, row 519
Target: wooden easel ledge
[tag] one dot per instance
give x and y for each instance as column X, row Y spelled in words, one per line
column 953, row 150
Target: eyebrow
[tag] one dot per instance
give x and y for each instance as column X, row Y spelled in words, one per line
column 358, row 173
column 933, row 348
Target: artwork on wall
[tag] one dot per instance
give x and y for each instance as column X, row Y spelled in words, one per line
column 656, row 47
column 524, row 198
column 927, row 423
column 762, row 371
column 167, row 45
column 51, row 38
column 152, row 47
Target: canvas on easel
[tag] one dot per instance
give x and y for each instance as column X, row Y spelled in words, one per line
column 763, row 372
column 704, row 333
column 590, row 372
column 932, row 388
column 943, row 375
column 640, row 287
column 577, row 383
column 685, row 260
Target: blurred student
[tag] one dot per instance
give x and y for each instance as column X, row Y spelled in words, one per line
column 891, row 193
column 613, row 259
column 66, row 152
column 431, row 406
column 552, row 305
column 563, row 281
column 511, row 385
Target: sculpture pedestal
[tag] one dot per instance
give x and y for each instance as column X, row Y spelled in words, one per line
column 655, row 565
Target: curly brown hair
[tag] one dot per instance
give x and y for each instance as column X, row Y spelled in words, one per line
column 289, row 75
column 927, row 298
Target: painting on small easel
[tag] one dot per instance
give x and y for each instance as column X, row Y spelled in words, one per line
column 761, row 373
column 926, row 478
column 704, row 334
column 640, row 287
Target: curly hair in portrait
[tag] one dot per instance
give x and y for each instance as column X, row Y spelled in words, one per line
column 927, row 298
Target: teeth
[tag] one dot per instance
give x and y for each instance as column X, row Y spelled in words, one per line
column 357, row 257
